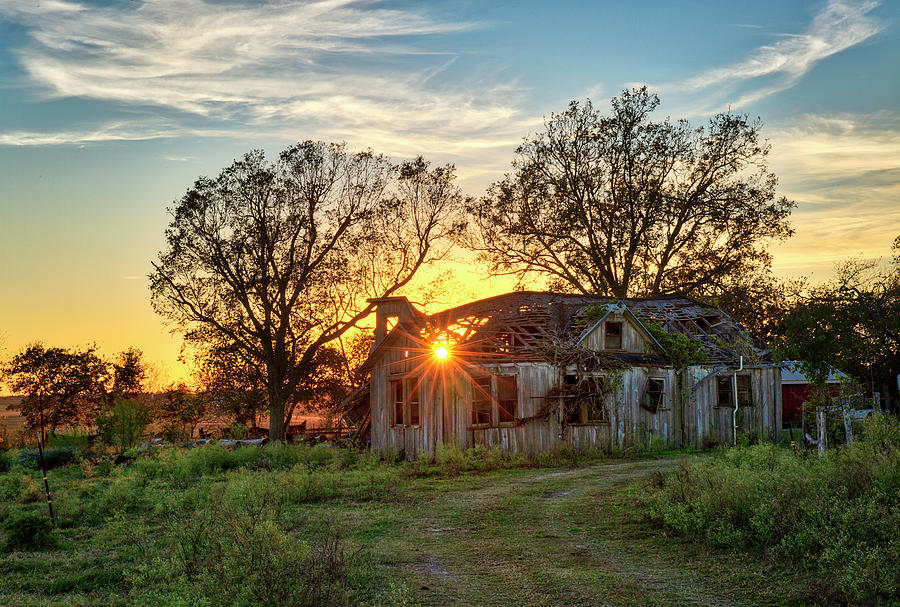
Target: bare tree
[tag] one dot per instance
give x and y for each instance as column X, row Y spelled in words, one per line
column 278, row 258
column 624, row 205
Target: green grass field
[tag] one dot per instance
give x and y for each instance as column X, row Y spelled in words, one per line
column 246, row 527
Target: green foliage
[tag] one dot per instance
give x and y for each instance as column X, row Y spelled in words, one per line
column 124, row 424
column 836, row 515
column 28, row 532
column 681, row 349
column 595, row 312
column 232, row 550
column 53, row 458
column 75, row 440
column 20, row 486
column 851, row 323
column 129, row 535
column 61, row 386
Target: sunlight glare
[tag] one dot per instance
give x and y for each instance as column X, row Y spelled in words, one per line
column 441, row 352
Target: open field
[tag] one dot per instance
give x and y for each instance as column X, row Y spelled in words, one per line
column 14, row 420
column 412, row 535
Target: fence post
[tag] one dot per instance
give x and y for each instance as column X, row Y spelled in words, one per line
column 46, row 483
column 848, row 425
column 821, row 428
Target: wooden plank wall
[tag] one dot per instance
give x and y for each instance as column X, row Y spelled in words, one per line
column 633, row 338
column 446, row 395
column 706, row 422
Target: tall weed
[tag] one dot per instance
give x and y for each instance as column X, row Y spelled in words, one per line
column 837, row 515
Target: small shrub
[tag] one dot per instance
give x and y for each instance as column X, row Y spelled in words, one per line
column 74, row 440
column 5, row 442
column 836, row 515
column 53, row 458
column 28, row 532
column 562, row 454
column 231, row 550
column 319, row 456
column 21, row 487
column 124, row 424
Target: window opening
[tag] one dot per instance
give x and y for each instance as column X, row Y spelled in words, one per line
column 413, row 398
column 726, row 391
column 594, row 407
column 507, row 398
column 745, row 396
column 481, row 400
column 613, row 340
column 397, row 396
column 654, row 395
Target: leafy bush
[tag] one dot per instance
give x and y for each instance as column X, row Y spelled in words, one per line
column 837, row 515
column 53, row 458
column 74, row 440
column 28, row 532
column 124, row 424
column 21, row 487
column 231, row 550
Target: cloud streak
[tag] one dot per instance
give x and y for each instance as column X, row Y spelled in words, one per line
column 779, row 66
column 334, row 67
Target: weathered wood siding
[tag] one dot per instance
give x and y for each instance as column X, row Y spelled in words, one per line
column 634, row 339
column 689, row 414
column 705, row 422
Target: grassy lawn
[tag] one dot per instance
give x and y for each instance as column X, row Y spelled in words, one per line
column 527, row 536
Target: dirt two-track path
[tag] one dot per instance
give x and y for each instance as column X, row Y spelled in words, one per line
column 568, row 537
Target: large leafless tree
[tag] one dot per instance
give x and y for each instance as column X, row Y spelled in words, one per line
column 627, row 205
column 278, row 258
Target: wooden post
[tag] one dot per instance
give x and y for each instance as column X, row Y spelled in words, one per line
column 46, row 484
column 848, row 424
column 821, row 429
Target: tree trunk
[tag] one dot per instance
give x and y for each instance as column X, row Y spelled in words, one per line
column 276, row 416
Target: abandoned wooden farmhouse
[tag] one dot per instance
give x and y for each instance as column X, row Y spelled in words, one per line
column 528, row 370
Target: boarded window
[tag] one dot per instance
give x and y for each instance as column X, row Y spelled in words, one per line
column 412, row 397
column 654, row 397
column 507, row 398
column 613, row 340
column 481, row 401
column 397, row 398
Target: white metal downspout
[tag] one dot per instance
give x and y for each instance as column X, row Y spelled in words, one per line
column 735, row 393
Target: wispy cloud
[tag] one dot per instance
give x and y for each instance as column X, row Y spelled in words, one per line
column 780, row 65
column 333, row 67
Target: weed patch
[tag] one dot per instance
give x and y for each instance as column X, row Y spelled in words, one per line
column 837, row 515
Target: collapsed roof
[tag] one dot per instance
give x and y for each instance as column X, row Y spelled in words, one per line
column 533, row 325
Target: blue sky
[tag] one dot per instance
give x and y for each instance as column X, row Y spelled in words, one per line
column 109, row 111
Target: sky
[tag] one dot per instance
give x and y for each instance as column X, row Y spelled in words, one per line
column 110, row 110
